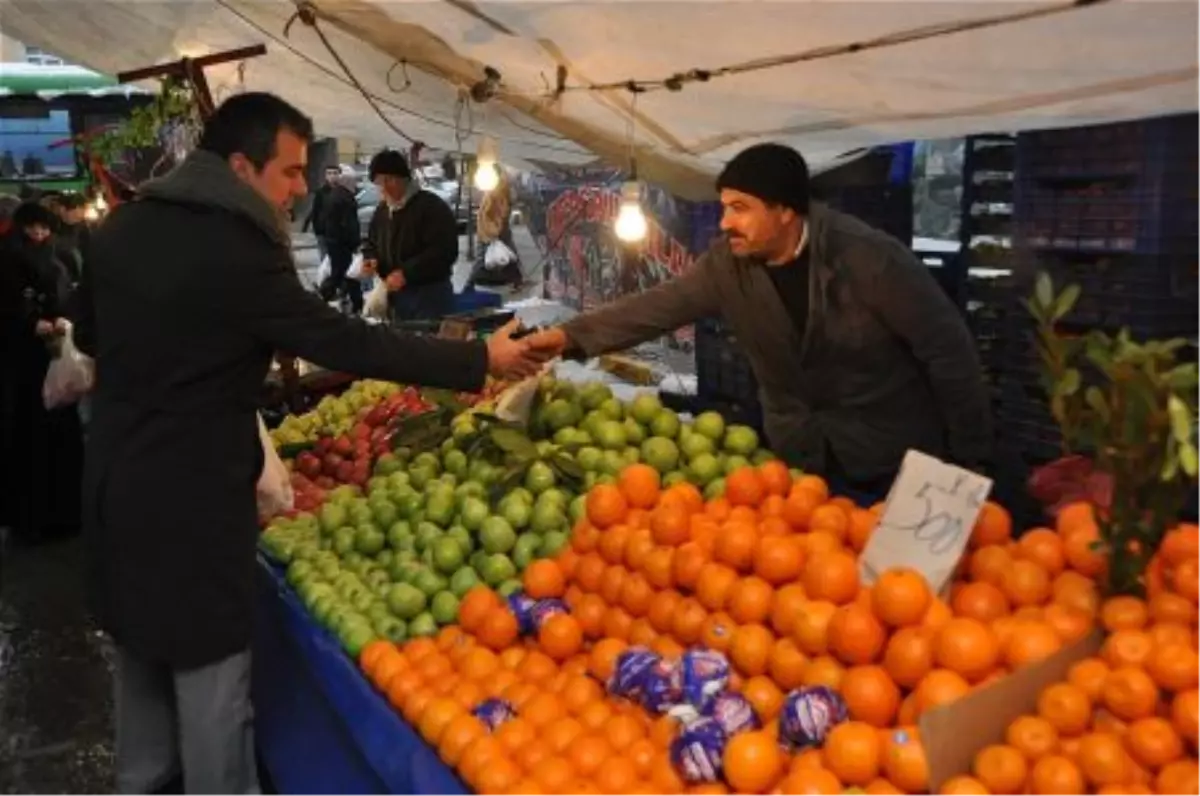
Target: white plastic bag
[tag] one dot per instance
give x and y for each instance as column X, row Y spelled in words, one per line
column 376, row 303
column 324, row 270
column 498, row 255
column 274, row 490
column 70, row 376
column 355, row 271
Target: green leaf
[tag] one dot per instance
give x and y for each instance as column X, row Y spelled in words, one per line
column 1033, row 309
column 1043, row 293
column 1095, row 399
column 1188, row 459
column 1058, row 408
column 1183, row 378
column 1181, row 419
column 514, row 442
column 1170, row 468
column 1066, row 301
column 508, row 482
column 565, row 465
column 1069, row 384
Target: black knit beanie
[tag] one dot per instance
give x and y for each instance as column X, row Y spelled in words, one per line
column 391, row 163
column 775, row 173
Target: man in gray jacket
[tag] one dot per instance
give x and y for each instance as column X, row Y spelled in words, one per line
column 858, row 353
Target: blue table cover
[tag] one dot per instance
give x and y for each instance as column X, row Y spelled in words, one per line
column 320, row 725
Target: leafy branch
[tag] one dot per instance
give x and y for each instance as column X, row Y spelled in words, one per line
column 1133, row 407
column 175, row 105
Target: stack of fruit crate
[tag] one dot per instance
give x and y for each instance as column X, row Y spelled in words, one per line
column 1111, row 208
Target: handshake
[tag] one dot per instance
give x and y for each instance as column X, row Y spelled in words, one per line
column 519, row 358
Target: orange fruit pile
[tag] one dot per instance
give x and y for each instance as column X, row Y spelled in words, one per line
column 1124, row 721
column 768, row 574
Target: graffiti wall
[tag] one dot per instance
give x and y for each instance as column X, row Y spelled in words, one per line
column 586, row 265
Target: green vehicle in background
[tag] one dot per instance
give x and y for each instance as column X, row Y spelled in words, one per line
column 43, row 111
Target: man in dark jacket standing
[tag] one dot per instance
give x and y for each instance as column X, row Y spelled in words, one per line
column 316, row 213
column 339, row 219
column 858, row 353
column 412, row 242
column 193, row 290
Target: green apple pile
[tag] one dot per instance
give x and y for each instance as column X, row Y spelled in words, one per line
column 333, row 415
column 604, row 435
column 394, row 560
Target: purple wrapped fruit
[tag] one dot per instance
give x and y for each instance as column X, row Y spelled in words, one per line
column 544, row 609
column 629, row 673
column 661, row 686
column 697, row 750
column 522, row 607
column 493, row 713
column 704, row 675
column 808, row 716
column 734, row 713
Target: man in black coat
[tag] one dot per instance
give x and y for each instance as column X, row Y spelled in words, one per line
column 316, row 214
column 339, row 220
column 859, row 355
column 189, row 292
column 412, row 242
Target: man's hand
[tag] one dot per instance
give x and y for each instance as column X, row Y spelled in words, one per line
column 44, row 328
column 370, row 267
column 394, row 281
column 515, row 359
column 550, row 342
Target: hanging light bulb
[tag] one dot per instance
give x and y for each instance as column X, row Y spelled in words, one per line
column 487, row 170
column 631, row 224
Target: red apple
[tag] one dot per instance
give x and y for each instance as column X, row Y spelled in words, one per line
column 308, row 464
column 325, row 482
column 343, row 446
column 330, row 462
column 345, row 472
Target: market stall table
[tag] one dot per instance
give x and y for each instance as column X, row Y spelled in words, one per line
column 320, row 726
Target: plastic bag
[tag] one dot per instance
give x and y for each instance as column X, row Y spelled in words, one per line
column 376, row 303
column 324, row 270
column 70, row 376
column 498, row 255
column 1069, row 480
column 355, row 271
column 275, row 494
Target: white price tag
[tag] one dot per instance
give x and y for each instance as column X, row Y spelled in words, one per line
column 927, row 520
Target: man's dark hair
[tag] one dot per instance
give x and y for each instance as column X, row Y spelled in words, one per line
column 72, row 201
column 31, row 214
column 249, row 123
column 775, row 173
column 390, row 163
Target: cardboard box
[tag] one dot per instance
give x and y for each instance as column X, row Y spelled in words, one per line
column 953, row 734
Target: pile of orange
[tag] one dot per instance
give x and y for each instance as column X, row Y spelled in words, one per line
column 1124, row 721
column 769, row 575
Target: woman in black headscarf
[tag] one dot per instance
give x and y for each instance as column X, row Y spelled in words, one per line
column 46, row 446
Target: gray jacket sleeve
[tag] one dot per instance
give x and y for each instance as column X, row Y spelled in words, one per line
column 907, row 298
column 639, row 318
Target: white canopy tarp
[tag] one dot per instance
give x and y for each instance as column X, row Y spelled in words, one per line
column 830, row 76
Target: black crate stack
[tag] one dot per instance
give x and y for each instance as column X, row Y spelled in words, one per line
column 1112, row 208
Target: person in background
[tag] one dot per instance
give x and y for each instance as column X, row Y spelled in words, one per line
column 339, row 220
column 859, row 355
column 495, row 224
column 173, row 455
column 316, row 214
column 412, row 242
column 43, row 493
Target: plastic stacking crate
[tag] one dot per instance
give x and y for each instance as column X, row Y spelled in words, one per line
column 1154, row 296
column 723, row 371
column 1121, row 188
